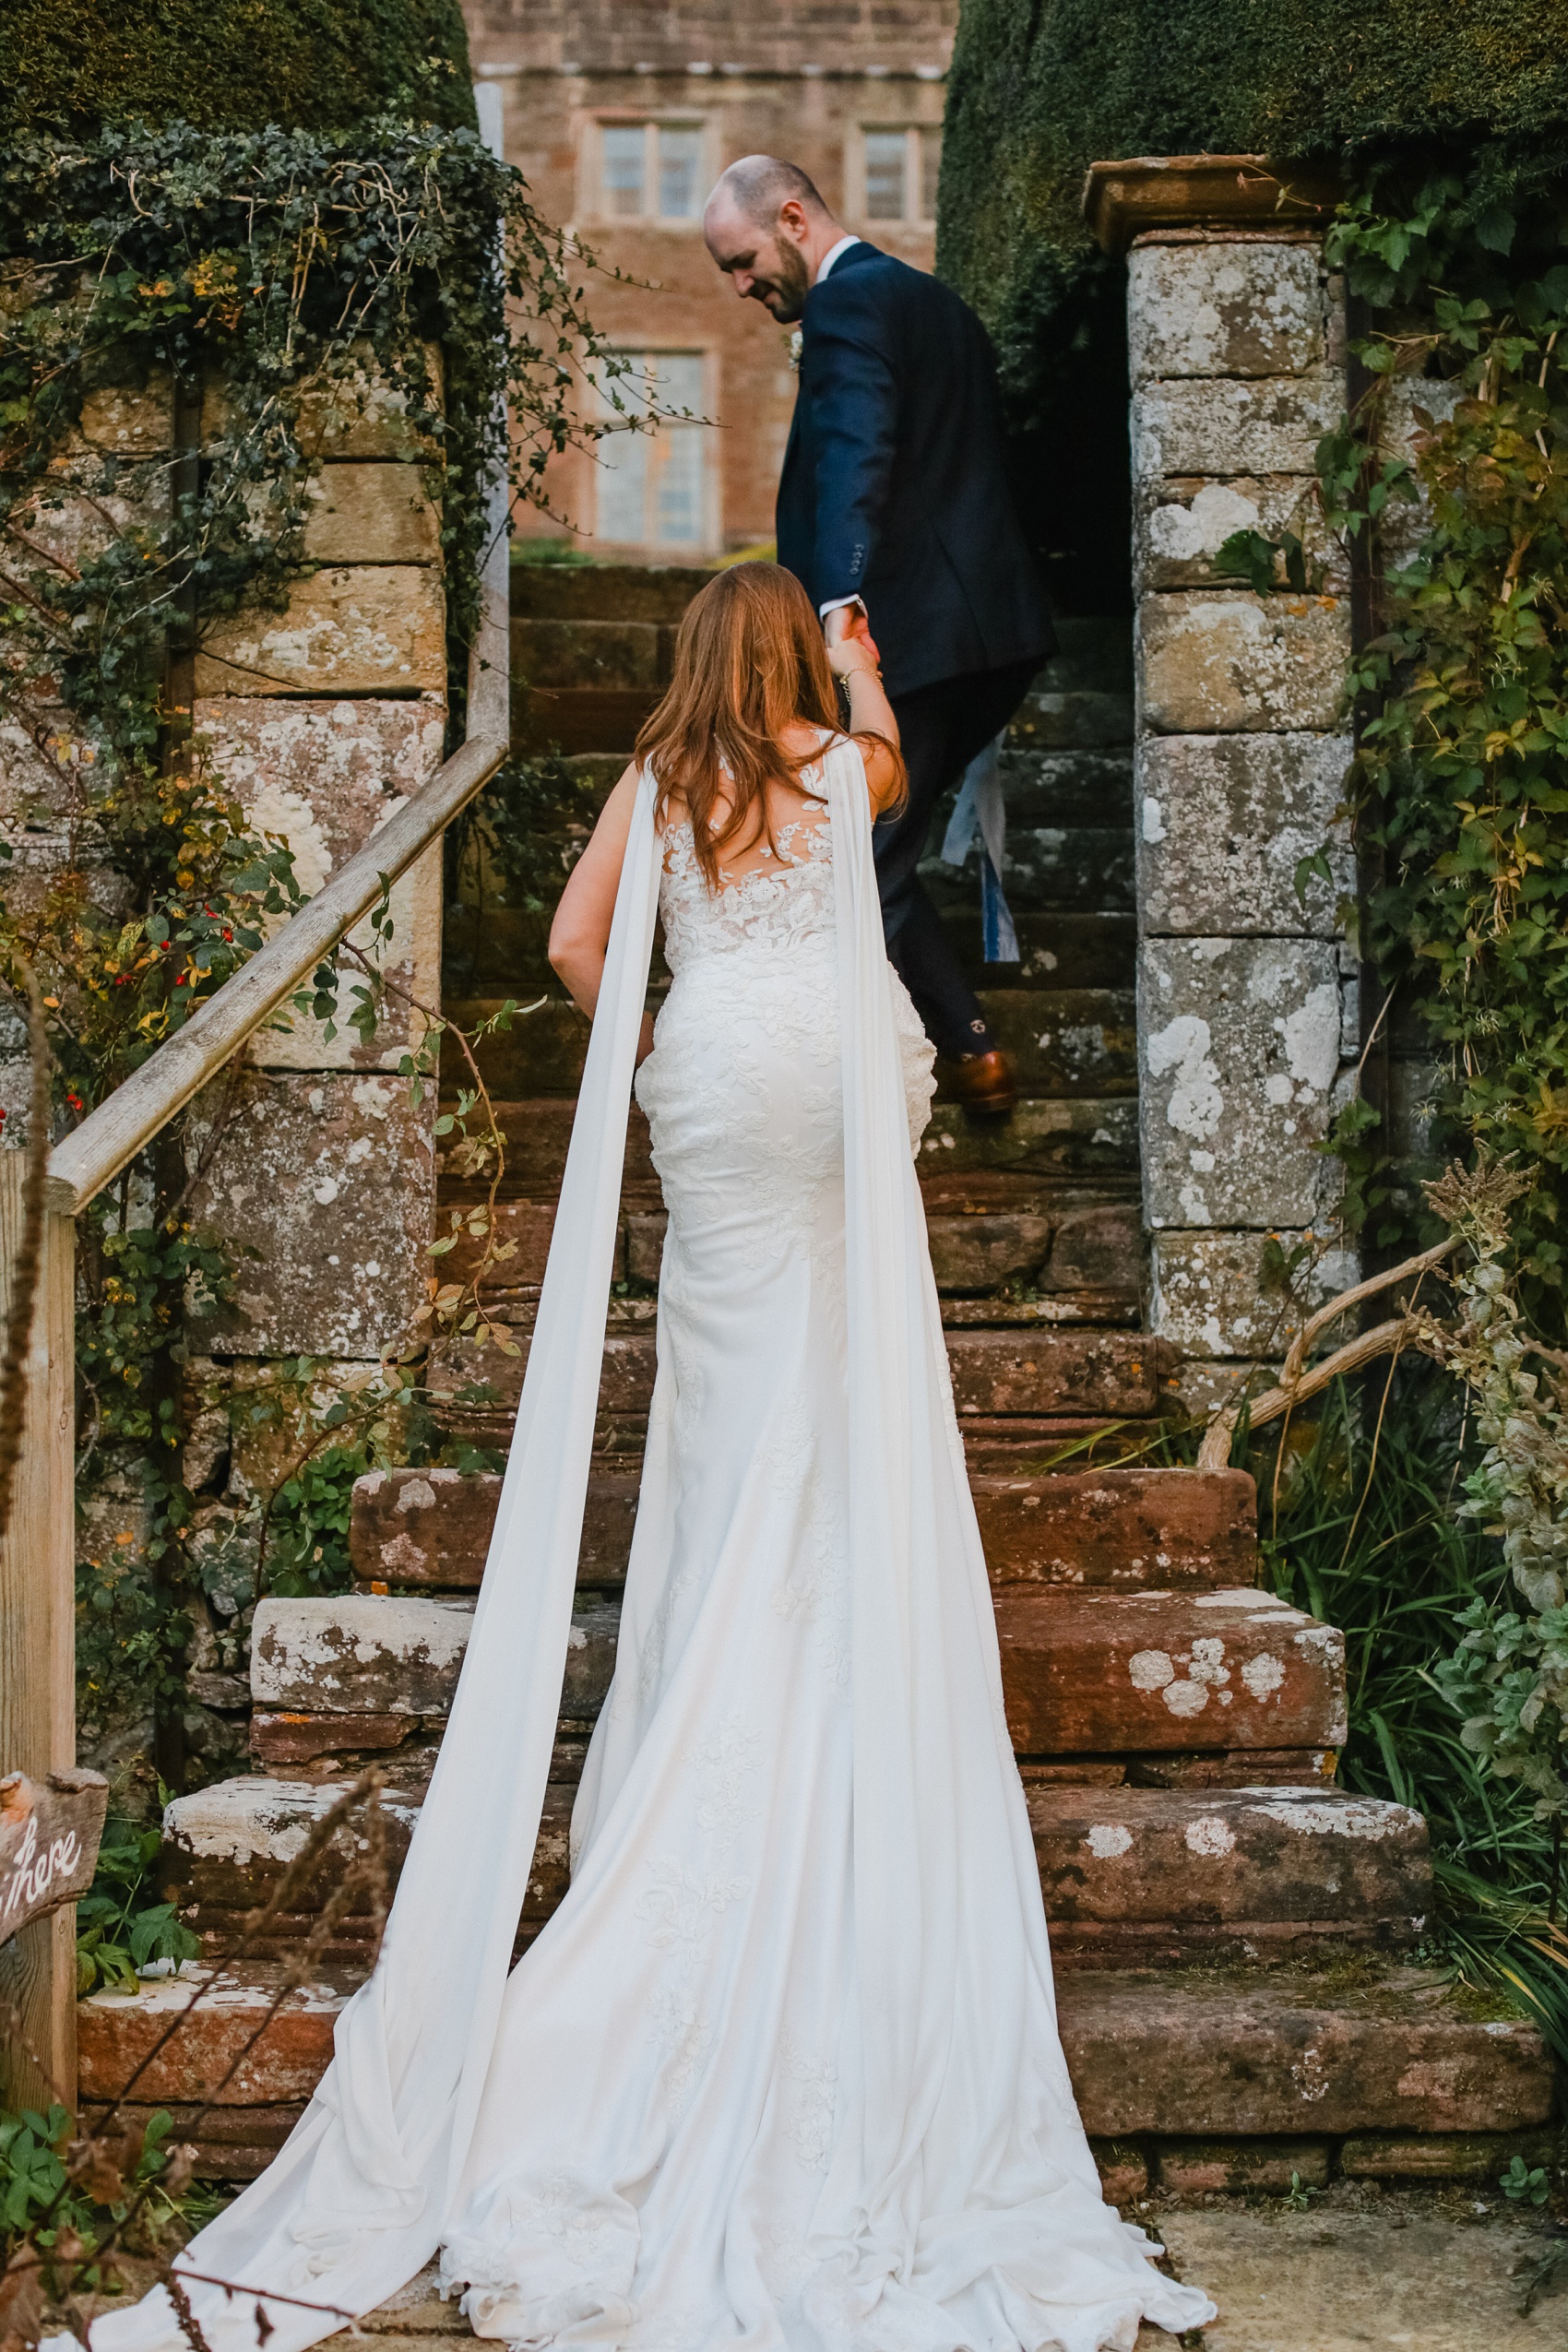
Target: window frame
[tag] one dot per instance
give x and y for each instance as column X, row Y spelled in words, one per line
column 915, row 134
column 711, row 485
column 596, row 195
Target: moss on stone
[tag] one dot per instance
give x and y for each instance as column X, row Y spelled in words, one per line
column 230, row 65
column 1041, row 89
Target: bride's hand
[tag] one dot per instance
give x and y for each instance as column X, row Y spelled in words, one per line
column 850, row 645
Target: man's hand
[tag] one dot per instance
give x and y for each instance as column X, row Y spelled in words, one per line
column 848, row 624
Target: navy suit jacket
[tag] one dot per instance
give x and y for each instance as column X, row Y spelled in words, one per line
column 894, row 484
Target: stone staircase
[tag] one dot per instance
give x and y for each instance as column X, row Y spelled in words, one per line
column 1236, row 1938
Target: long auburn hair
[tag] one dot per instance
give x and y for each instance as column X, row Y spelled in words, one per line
column 749, row 658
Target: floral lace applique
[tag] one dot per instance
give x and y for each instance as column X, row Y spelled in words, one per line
column 777, row 905
column 683, row 2042
column 724, row 1761
column 808, row 2104
column 682, row 1906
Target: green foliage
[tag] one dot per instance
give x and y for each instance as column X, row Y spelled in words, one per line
column 121, row 1926
column 1036, row 94
column 230, row 64
column 310, row 1513
column 1523, row 2185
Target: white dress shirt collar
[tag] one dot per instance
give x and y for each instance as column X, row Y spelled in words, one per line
column 831, row 255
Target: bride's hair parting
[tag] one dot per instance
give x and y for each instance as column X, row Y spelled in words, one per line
column 749, row 660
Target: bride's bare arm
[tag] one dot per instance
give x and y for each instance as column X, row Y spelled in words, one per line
column 579, row 936
column 854, row 659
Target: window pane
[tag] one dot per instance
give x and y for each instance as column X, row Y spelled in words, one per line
column 677, row 520
column 930, row 164
column 625, row 146
column 622, row 485
column 886, row 154
column 679, row 377
column 652, row 486
column 680, row 170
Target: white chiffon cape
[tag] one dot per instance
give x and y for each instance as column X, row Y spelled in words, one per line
column 357, row 2200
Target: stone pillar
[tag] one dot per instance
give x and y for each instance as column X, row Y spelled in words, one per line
column 1246, row 1010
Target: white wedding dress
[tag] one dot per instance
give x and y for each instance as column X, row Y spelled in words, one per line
column 783, row 2072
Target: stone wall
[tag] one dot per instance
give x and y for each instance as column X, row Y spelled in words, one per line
column 1246, row 996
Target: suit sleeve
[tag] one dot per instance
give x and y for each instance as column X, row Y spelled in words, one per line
column 854, row 405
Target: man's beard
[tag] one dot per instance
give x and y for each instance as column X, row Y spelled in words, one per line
column 789, row 283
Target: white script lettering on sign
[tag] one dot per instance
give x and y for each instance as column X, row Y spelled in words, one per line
column 49, row 1833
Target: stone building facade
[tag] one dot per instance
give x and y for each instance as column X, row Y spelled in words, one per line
column 621, row 114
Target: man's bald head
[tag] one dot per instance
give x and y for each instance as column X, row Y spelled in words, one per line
column 768, row 228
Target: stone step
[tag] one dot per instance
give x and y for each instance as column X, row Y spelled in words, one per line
column 1135, row 1876
column 1153, row 1672
column 1131, row 1877
column 1067, row 949
column 1083, row 1673
column 615, row 592
column 1033, row 1373
column 1066, row 1042
column 1383, row 2049
column 1085, row 1253
column 1119, row 1528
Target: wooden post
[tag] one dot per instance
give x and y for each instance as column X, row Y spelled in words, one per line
column 38, row 1715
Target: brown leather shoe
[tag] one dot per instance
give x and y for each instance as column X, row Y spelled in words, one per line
column 985, row 1084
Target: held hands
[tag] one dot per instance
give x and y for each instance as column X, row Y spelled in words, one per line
column 851, row 647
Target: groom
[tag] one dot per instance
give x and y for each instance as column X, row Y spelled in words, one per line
column 894, row 511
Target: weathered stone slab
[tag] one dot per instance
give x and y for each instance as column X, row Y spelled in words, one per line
column 363, row 412
column 286, row 1739
column 371, row 514
column 115, row 2035
column 1121, row 1673
column 974, row 1253
column 1050, row 721
column 1066, row 1040
column 586, row 653
column 434, row 1526
column 227, row 2143
column 657, row 592
column 541, row 1053
column 1180, row 524
column 1224, row 822
column 1478, row 2156
column 360, row 629
column 1096, row 1249
column 1048, row 865
column 1210, row 1296
column 1054, row 1372
column 579, row 719
column 1220, row 309
column 536, row 1133
column 1228, row 426
column 1240, row 2168
column 376, row 1653
column 523, row 1226
column 1118, row 1528
column 1240, row 1050
column 326, row 777
column 1258, row 1856
column 1225, row 663
column 1219, row 2054
column 131, row 421
column 626, row 1385
column 1097, row 1137
column 1074, row 788
column 329, row 1179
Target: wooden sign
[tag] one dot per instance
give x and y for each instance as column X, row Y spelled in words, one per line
column 49, row 1833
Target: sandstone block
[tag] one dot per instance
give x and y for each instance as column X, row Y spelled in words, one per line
column 1053, row 1372
column 1096, row 1249
column 362, row 412
column 1224, row 821
column 1233, row 663
column 294, row 1739
column 328, row 776
column 536, row 1134
column 376, row 1653
column 1232, row 2168
column 657, row 592
column 372, row 514
column 1255, row 1857
column 329, row 1181
column 626, row 1385
column 1098, row 1137
column 434, row 1526
column 1180, row 524
column 1478, row 2156
column 1211, row 1297
column 1287, row 2053
column 525, row 1226
column 1079, row 719
column 116, row 2035
column 230, row 2143
column 541, row 1053
column 586, row 653
column 360, row 629
column 1239, row 1050
column 1227, row 427
column 976, row 1253
column 131, row 421
column 1118, row 1528
column 1216, row 309
column 1124, row 2171
column 1065, row 1041
column 1121, row 1673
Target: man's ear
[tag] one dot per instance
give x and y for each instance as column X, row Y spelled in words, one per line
column 792, row 221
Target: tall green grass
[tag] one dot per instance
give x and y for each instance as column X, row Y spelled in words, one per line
column 1357, row 1516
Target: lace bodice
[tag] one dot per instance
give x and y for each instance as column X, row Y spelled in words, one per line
column 778, row 904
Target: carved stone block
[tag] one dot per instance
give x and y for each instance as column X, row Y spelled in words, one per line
column 361, row 629
column 1214, row 663
column 1225, row 426
column 1223, row 823
column 1220, row 309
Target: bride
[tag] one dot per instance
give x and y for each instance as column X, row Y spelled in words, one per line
column 782, row 2071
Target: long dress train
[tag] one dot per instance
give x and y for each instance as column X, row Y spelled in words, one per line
column 783, row 2072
